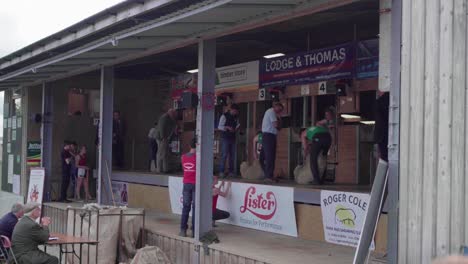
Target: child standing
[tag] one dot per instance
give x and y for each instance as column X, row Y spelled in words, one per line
column 189, row 161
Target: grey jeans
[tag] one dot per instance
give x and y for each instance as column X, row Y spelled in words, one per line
column 162, row 159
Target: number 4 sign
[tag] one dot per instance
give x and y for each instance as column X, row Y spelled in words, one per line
column 322, row 88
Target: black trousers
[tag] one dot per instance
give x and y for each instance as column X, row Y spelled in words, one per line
column 118, row 154
column 320, row 143
column 220, row 215
column 65, row 183
column 261, row 159
column 269, row 150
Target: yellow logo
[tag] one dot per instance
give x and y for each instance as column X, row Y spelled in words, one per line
column 345, row 216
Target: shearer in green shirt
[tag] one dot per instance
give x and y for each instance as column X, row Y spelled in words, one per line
column 314, row 140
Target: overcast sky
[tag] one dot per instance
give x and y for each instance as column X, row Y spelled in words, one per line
column 23, row 22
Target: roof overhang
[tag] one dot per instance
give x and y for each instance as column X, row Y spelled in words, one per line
column 182, row 27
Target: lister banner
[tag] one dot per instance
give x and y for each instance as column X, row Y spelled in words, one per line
column 310, row 67
column 343, row 216
column 261, row 207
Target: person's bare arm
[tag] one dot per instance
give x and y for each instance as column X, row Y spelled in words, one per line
column 322, row 122
column 225, row 189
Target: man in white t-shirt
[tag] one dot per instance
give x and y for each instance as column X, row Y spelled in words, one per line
column 270, row 125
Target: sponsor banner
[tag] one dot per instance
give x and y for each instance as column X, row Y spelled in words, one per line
column 231, row 76
column 262, row 207
column 175, row 194
column 237, row 75
column 310, row 67
column 343, row 216
column 33, row 153
column 367, row 62
column 120, row 190
column 36, row 185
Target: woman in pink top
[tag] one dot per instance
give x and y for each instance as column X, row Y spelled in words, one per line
column 83, row 173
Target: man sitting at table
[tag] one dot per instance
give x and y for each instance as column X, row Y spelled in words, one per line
column 28, row 235
column 8, row 222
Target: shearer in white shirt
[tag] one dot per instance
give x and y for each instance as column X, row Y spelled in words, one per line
column 270, row 125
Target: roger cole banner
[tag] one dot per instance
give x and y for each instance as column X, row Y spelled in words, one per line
column 343, row 216
column 262, row 207
column 309, row 67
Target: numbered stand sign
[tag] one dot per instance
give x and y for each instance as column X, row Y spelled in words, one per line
column 322, row 88
column 262, row 94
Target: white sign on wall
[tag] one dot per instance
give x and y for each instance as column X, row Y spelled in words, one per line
column 36, row 185
column 237, row 75
column 305, row 90
column 343, row 216
column 11, row 166
column 16, row 184
column 120, row 191
column 261, row 207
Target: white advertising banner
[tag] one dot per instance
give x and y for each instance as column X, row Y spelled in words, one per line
column 262, row 207
column 36, row 185
column 343, row 216
column 237, row 75
column 120, row 191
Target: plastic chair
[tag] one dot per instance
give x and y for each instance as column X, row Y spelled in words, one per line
column 6, row 246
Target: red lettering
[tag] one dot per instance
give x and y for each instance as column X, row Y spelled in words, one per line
column 252, row 202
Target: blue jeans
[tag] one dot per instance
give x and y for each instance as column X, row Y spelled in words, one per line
column 188, row 197
column 228, row 149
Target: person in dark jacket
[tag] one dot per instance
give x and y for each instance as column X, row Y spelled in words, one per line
column 9, row 221
column 228, row 125
column 118, row 135
column 381, row 124
column 66, row 169
column 28, row 235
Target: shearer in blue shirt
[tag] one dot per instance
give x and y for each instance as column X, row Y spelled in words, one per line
column 8, row 221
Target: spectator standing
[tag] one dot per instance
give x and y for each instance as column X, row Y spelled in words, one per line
column 258, row 152
column 66, row 168
column 118, row 134
column 228, row 125
column 73, row 168
column 28, row 235
column 153, row 146
column 167, row 126
column 83, row 173
column 381, row 124
column 9, row 221
column 189, row 165
column 270, row 125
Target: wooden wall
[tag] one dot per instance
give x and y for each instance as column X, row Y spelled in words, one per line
column 433, row 213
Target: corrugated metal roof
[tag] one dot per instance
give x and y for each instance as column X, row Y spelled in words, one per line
column 171, row 24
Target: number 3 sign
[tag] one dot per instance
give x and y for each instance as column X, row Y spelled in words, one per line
column 261, row 94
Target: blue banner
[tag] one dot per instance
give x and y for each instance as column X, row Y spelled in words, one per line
column 313, row 66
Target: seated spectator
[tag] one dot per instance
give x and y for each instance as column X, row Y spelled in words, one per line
column 28, row 235
column 8, row 221
column 217, row 191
